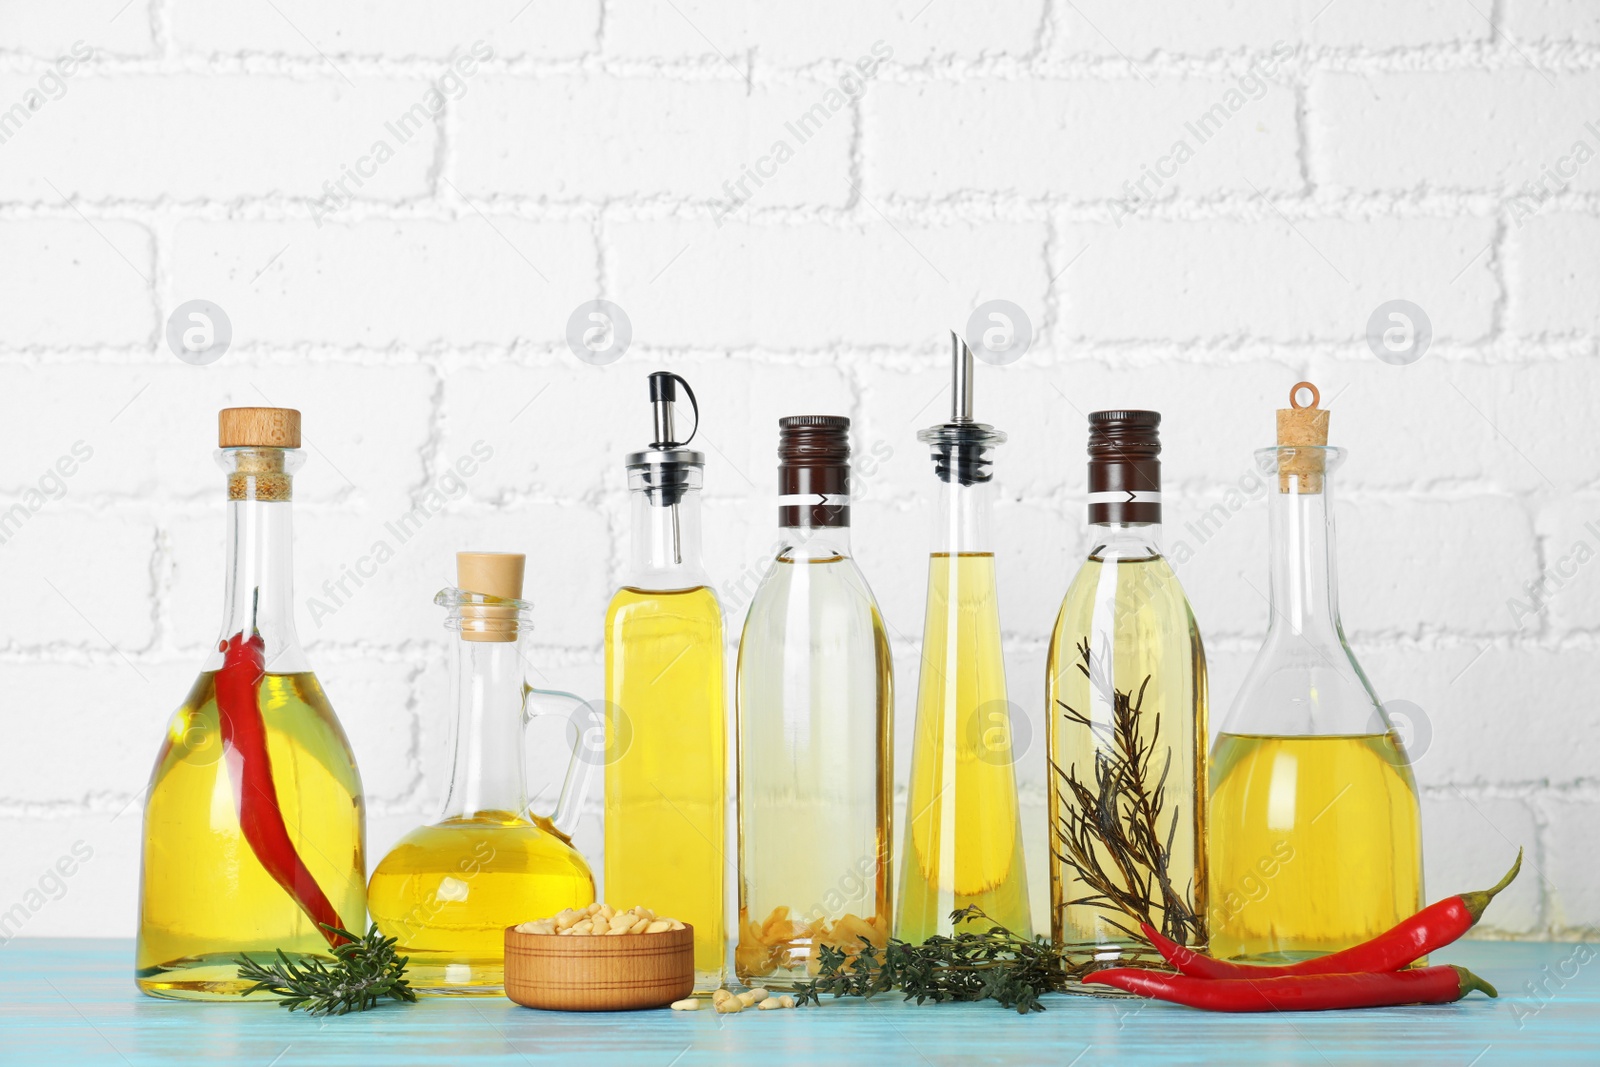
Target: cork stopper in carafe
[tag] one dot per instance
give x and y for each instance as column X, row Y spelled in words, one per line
column 497, row 575
column 259, row 439
column 1302, row 436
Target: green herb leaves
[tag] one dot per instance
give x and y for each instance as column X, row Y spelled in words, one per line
column 364, row 971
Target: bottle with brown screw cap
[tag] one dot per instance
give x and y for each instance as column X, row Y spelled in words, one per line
column 815, row 714
column 1126, row 676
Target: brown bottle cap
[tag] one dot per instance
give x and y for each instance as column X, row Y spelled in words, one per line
column 258, row 428
column 814, row 470
column 1305, row 430
column 496, row 574
column 1124, row 466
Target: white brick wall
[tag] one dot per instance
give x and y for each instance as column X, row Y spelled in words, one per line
column 1365, row 152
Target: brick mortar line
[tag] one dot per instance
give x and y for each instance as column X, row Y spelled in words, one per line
column 1551, row 56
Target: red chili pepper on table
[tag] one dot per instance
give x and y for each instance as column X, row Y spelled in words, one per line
column 1322, row 992
column 255, row 797
column 1431, row 928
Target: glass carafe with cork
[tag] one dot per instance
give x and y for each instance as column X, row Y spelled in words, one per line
column 815, row 721
column 254, row 829
column 963, row 837
column 665, row 718
column 447, row 891
column 1315, row 832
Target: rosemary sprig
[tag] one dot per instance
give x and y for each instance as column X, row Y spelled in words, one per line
column 994, row 964
column 1109, row 831
column 365, row 970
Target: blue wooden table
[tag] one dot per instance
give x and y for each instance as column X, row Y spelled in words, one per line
column 73, row 1002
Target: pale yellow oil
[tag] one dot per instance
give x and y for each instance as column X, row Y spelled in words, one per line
column 963, row 832
column 448, row 891
column 203, row 896
column 816, row 795
column 1142, row 636
column 1316, row 844
column 666, row 785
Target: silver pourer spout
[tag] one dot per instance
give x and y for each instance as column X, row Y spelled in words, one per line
column 960, row 379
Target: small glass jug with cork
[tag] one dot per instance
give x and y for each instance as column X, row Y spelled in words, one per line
column 1315, row 838
column 448, row 890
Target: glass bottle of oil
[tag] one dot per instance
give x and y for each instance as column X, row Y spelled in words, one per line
column 963, row 841
column 815, row 721
column 1316, row 842
column 665, row 719
column 254, row 829
column 1126, row 665
column 447, row 891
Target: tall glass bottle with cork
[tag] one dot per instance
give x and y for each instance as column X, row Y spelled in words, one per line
column 665, row 721
column 447, row 891
column 963, row 840
column 1125, row 697
column 815, row 721
column 254, row 829
column 1316, row 840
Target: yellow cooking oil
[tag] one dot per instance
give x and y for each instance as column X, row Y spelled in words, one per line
column 963, row 832
column 666, row 787
column 448, row 891
column 205, row 899
column 1315, row 844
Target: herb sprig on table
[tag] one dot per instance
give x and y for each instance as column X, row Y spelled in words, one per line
column 364, row 971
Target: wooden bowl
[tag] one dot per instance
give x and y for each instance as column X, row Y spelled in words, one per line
column 582, row 973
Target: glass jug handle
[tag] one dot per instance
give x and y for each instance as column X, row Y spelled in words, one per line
column 586, row 755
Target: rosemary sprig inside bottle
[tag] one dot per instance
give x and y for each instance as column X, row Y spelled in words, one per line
column 1111, row 830
column 364, row 971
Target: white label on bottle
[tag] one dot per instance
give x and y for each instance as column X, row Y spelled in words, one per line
column 814, row 500
column 1125, row 496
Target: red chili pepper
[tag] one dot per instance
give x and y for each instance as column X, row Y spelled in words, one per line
column 1322, row 992
column 1431, row 928
column 255, row 798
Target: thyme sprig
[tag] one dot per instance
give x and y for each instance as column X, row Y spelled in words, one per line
column 992, row 964
column 1110, row 830
column 364, row 971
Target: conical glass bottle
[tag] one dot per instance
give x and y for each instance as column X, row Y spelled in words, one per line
column 1316, row 842
column 254, row 830
column 447, row 891
column 1126, row 676
column 815, row 721
column 665, row 717
column 963, row 842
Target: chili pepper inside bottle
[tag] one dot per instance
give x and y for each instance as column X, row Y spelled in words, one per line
column 963, row 830
column 665, row 720
column 1315, row 833
column 254, row 828
column 447, row 891
column 1126, row 673
column 815, row 716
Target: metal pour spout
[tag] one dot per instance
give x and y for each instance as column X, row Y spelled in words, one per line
column 960, row 379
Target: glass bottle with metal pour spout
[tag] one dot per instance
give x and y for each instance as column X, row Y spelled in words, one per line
column 254, row 829
column 1316, row 841
column 1125, row 691
column 447, row 891
column 815, row 716
column 963, row 841
column 665, row 720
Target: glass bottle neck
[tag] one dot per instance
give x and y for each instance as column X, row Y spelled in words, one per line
column 1125, row 541
column 664, row 553
column 489, row 694
column 259, row 594
column 1303, row 583
column 814, row 542
column 963, row 522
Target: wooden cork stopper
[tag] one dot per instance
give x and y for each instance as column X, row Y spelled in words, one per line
column 1305, row 430
column 258, row 428
column 494, row 574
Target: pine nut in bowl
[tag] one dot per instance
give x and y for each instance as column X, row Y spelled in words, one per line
column 599, row 959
